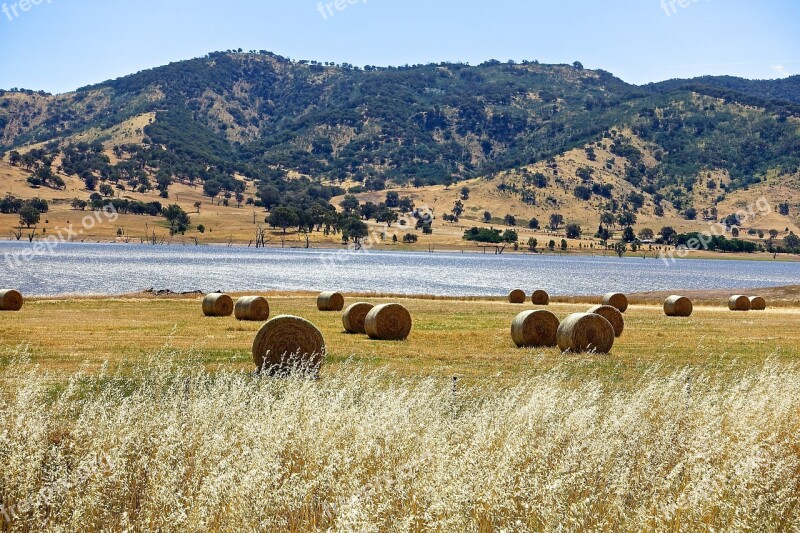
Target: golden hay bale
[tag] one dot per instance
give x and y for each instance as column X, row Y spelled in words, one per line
column 757, row 303
column 534, row 329
column 611, row 314
column 517, row 296
column 678, row 306
column 616, row 299
column 354, row 316
column 10, row 300
column 330, row 301
column 217, row 304
column 540, row 297
column 254, row 308
column 585, row 332
column 286, row 343
column 738, row 302
column 388, row 322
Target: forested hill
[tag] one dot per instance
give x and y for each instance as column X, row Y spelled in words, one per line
column 266, row 117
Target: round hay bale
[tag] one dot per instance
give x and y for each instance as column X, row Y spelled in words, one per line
column 757, row 303
column 10, row 300
column 585, row 332
column 388, row 322
column 254, row 308
column 678, row 306
column 217, row 304
column 616, row 299
column 354, row 317
column 534, row 329
column 330, row 301
column 611, row 314
column 540, row 297
column 288, row 343
column 517, row 296
column 738, row 302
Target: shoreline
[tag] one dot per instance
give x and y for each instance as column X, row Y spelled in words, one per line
column 669, row 257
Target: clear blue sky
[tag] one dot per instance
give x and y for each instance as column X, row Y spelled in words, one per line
column 59, row 45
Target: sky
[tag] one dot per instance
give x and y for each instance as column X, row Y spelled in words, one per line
column 60, row 45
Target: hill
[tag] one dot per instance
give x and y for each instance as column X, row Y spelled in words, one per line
column 264, row 132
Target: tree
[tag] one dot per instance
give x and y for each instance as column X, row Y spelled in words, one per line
column 29, row 215
column 510, row 220
column 582, row 192
column 178, row 219
column 212, row 188
column 574, row 231
column 585, row 174
column 487, row 216
column 792, row 241
column 534, row 223
column 620, row 248
column 355, row 229
column 690, row 214
column 106, row 190
column 556, row 220
column 510, row 236
column 201, row 228
column 628, row 235
column 14, row 158
column 198, row 205
column 532, row 244
column 669, row 235
column 350, row 204
column 458, row 208
column 646, row 234
column 284, row 218
column 773, row 234
column 392, row 199
column 735, row 232
column 465, row 193
column 551, row 244
column 386, row 215
column 79, row 205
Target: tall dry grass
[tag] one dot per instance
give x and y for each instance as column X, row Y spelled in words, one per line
column 172, row 447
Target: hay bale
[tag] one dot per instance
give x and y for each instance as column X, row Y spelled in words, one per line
column 217, row 304
column 616, row 299
column 10, row 300
column 678, row 306
column 611, row 314
column 540, row 297
column 288, row 343
column 757, row 303
column 517, row 296
column 388, row 322
column 534, row 329
column 330, row 301
column 354, row 317
column 585, row 332
column 738, row 302
column 254, row 308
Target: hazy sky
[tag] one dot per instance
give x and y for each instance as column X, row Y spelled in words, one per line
column 59, row 45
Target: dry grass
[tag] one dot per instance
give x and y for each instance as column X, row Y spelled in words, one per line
column 171, row 447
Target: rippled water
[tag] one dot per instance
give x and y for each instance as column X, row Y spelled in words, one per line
column 117, row 269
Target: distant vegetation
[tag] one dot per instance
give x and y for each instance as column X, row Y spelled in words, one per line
column 258, row 116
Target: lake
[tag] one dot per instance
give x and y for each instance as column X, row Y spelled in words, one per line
column 124, row 268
